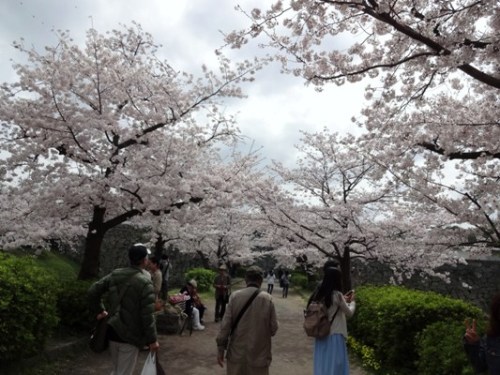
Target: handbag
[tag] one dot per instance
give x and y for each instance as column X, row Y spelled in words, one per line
column 149, row 367
column 98, row 338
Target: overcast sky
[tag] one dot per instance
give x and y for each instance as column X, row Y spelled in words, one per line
column 277, row 107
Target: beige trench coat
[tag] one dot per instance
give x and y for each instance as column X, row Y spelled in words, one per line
column 250, row 343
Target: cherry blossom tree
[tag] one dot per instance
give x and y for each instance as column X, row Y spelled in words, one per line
column 223, row 227
column 334, row 199
column 98, row 135
column 432, row 97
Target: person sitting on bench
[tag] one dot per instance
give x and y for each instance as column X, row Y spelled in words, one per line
column 191, row 308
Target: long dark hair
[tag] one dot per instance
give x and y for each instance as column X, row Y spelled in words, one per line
column 494, row 324
column 332, row 281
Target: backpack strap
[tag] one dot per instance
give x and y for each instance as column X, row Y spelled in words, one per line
column 333, row 318
column 242, row 311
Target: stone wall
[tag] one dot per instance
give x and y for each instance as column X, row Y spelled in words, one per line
column 114, row 253
column 476, row 281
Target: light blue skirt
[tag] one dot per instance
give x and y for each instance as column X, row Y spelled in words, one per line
column 330, row 356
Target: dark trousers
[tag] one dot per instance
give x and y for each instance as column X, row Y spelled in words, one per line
column 201, row 309
column 164, row 290
column 220, row 306
column 270, row 288
column 285, row 291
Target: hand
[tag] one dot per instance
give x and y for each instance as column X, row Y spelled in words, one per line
column 220, row 359
column 153, row 347
column 350, row 296
column 102, row 315
column 471, row 335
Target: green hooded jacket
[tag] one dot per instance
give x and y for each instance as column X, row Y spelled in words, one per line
column 132, row 319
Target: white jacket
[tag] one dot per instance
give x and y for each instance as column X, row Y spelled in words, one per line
column 346, row 310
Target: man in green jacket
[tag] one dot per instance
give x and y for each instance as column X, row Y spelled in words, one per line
column 130, row 310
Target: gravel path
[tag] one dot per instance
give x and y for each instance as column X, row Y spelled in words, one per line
column 196, row 354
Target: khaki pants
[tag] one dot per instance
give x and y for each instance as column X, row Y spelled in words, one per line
column 124, row 357
column 236, row 368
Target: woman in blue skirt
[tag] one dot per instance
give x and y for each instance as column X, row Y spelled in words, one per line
column 330, row 353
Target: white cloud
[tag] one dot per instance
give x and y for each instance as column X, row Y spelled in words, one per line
column 189, row 32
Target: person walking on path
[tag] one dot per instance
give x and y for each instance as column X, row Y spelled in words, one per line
column 131, row 323
column 270, row 282
column 330, row 353
column 248, row 340
column 285, row 284
column 484, row 353
column 222, row 285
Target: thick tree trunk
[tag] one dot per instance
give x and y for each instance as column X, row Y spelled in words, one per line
column 95, row 236
column 345, row 267
column 159, row 246
column 89, row 268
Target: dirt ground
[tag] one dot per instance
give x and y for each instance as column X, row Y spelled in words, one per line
column 196, row 354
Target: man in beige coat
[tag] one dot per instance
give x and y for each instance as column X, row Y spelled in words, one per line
column 249, row 345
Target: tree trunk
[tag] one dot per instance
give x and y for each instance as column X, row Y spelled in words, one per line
column 89, row 268
column 345, row 267
column 159, row 246
column 204, row 259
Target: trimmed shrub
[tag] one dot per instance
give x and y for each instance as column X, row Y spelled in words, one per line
column 72, row 307
column 389, row 318
column 300, row 280
column 440, row 349
column 204, row 278
column 72, row 304
column 27, row 306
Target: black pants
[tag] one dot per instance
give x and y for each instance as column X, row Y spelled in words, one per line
column 220, row 306
column 201, row 309
column 164, row 290
column 270, row 288
column 285, row 291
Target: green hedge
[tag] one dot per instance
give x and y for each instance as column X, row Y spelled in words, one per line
column 300, row 280
column 440, row 349
column 73, row 307
column 388, row 319
column 204, row 278
column 28, row 297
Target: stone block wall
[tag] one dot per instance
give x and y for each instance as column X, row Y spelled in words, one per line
column 475, row 282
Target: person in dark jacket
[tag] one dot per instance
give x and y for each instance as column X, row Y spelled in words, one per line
column 484, row 353
column 222, row 285
column 130, row 310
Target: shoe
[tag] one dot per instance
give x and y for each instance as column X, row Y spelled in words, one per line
column 217, row 320
column 199, row 328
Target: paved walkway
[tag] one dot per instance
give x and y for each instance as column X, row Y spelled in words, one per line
column 196, row 354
